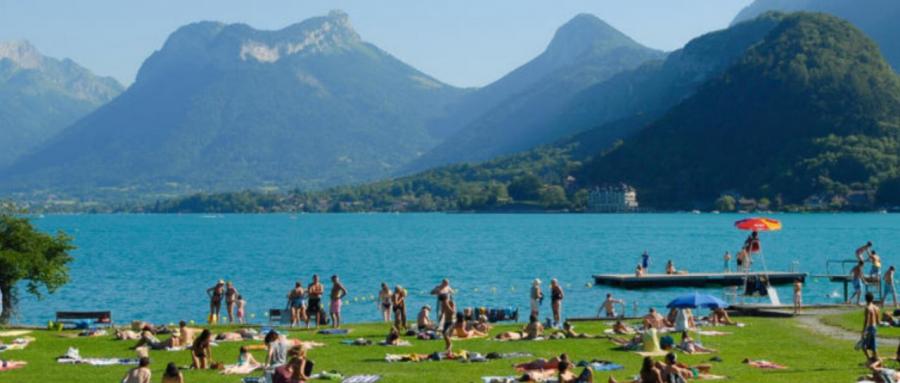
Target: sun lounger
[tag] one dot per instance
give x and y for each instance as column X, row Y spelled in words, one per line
column 362, row 379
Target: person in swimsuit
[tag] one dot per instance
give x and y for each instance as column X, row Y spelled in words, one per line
column 216, row 294
column 231, row 295
column 875, row 259
column 399, row 302
column 139, row 374
column 537, row 296
column 338, row 291
column 645, row 260
column 448, row 310
column 443, row 291
column 556, row 297
column 172, row 375
column 743, row 261
column 882, row 374
column 297, row 303
column 639, row 271
column 857, row 275
column 727, row 258
column 862, row 252
column 653, row 320
column 870, row 329
column 314, row 307
column 384, row 302
column 423, row 321
column 889, row 286
column 609, row 305
column 461, row 330
column 670, row 268
column 798, row 295
column 241, row 303
column 752, row 244
column 201, row 352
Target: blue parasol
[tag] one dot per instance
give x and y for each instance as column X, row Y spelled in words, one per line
column 695, row 300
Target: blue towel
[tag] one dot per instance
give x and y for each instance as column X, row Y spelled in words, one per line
column 606, row 366
column 334, row 331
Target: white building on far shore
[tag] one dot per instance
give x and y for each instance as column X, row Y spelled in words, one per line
column 612, row 199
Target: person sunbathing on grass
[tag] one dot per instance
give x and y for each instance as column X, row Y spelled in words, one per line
column 567, row 376
column 148, row 339
column 393, row 337
column 688, row 345
column 635, row 343
column 543, row 364
column 720, row 317
column 460, row 329
column 620, row 328
column 424, row 322
column 532, row 330
column 654, row 320
column 481, row 325
column 651, row 372
column 568, row 331
column 245, row 363
column 881, row 374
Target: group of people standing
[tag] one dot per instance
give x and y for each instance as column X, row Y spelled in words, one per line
column 305, row 304
column 234, row 302
column 393, row 302
column 885, row 282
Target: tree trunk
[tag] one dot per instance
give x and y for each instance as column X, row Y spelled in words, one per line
column 8, row 303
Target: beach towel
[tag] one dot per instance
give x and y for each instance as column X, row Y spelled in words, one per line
column 712, row 333
column 499, row 379
column 362, row 379
column 469, row 337
column 7, row 365
column 234, row 369
column 327, row 375
column 652, row 353
column 509, row 355
column 602, row 365
column 764, row 364
column 710, row 377
column 73, row 356
column 334, row 331
column 177, row 348
column 357, row 342
column 650, row 340
column 11, row 333
column 400, row 343
column 17, row 344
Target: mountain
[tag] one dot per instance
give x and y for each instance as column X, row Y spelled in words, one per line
column 812, row 109
column 877, row 18
column 510, row 114
column 227, row 106
column 43, row 95
column 614, row 109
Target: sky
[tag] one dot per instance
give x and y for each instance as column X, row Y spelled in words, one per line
column 461, row 42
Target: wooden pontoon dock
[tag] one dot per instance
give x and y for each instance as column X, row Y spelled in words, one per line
column 629, row 281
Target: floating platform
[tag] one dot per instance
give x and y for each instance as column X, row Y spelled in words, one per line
column 629, row 281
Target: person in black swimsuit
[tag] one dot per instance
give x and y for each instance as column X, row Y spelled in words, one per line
column 231, row 294
column 216, row 294
column 556, row 297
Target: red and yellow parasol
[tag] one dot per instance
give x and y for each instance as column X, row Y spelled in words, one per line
column 758, row 224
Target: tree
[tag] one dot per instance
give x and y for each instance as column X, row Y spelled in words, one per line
column 553, row 197
column 27, row 254
column 525, row 188
column 725, row 203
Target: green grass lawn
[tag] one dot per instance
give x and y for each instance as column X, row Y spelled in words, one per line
column 852, row 320
column 811, row 358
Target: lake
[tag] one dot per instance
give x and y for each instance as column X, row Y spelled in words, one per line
column 157, row 267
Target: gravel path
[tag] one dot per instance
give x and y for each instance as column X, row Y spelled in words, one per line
column 812, row 320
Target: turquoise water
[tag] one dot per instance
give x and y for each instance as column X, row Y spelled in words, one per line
column 156, row 267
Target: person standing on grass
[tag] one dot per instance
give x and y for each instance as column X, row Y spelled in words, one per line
column 338, row 292
column 537, row 296
column 139, row 374
column 856, row 274
column 384, row 302
column 398, row 300
column 870, row 331
column 231, row 295
column 315, row 290
column 863, row 251
column 443, row 291
column 447, row 316
column 798, row 295
column 201, row 350
column 556, row 297
column 889, row 286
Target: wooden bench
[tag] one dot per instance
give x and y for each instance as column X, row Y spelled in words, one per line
column 71, row 317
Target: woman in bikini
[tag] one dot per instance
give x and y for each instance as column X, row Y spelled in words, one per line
column 384, row 302
column 241, row 303
column 297, row 304
column 460, row 329
column 231, row 295
column 216, row 294
column 201, row 352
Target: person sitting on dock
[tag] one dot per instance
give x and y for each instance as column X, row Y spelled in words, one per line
column 609, row 305
column 639, row 271
column 670, row 268
column 654, row 320
column 798, row 295
column 727, row 258
column 857, row 275
column 863, row 251
column 743, row 261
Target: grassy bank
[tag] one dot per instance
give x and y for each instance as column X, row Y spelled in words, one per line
column 810, row 357
column 853, row 320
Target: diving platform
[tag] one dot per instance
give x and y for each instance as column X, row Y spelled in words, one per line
column 630, row 281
